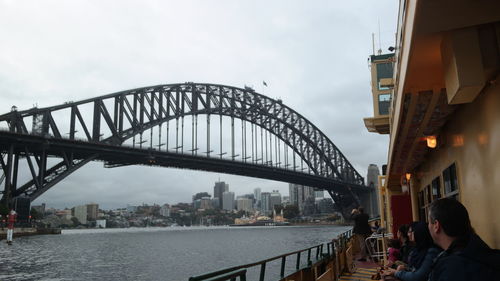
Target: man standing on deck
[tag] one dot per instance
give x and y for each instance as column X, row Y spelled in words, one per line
column 465, row 255
column 11, row 219
column 361, row 230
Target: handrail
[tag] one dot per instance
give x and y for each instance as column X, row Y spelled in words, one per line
column 227, row 273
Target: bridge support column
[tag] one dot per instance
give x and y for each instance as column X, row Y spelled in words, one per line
column 8, row 171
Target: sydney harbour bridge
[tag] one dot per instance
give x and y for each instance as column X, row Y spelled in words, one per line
column 196, row 126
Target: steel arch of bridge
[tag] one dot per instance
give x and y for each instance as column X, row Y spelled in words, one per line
column 127, row 115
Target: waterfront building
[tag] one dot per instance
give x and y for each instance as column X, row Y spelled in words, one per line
column 205, row 203
column 275, row 199
column 219, row 188
column 131, row 209
column 299, row 194
column 244, row 204
column 100, row 223
column 265, row 203
column 92, row 210
column 197, row 204
column 80, row 212
column 40, row 209
column 285, row 200
column 440, row 108
column 228, row 201
column 309, row 206
column 257, row 194
column 325, row 205
column 165, row 210
column 293, row 191
column 216, row 203
column 64, row 214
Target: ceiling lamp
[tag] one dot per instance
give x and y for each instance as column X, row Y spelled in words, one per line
column 431, row 141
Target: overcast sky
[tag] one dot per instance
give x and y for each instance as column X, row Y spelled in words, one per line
column 312, row 54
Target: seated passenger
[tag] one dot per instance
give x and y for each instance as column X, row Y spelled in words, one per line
column 406, row 244
column 465, row 255
column 393, row 250
column 421, row 257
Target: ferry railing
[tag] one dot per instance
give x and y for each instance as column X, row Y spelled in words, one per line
column 333, row 249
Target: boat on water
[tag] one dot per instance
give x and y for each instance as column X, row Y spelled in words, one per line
column 436, row 94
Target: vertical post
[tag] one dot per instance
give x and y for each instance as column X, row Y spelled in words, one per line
column 208, row 132
column 309, row 255
column 283, row 261
column 262, row 271
column 232, row 138
column 176, row 134
column 262, row 143
column 13, row 187
column 96, row 128
column 196, row 134
column 72, row 123
column 220, row 132
column 182, row 134
column 43, row 166
column 297, row 265
column 8, row 175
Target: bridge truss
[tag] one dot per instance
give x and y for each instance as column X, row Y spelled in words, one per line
column 197, row 126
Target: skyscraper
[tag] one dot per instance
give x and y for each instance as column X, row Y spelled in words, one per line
column 371, row 203
column 265, row 203
column 257, row 196
column 228, row 201
column 275, row 199
column 294, row 193
column 219, row 188
column 299, row 194
column 244, row 204
column 92, row 210
column 80, row 212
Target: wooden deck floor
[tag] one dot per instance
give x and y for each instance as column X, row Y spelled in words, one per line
column 363, row 271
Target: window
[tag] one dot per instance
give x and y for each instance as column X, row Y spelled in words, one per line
column 436, row 189
column 450, row 181
column 421, row 205
column 384, row 70
column 384, row 102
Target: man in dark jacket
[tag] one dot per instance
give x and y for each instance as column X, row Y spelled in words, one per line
column 361, row 230
column 466, row 256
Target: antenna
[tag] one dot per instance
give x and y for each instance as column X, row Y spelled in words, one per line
column 373, row 43
column 379, row 40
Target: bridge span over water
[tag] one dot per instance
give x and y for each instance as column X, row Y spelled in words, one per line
column 196, row 126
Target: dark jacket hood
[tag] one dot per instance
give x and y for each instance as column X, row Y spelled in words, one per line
column 480, row 252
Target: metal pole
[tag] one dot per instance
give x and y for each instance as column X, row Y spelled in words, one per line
column 232, row 138
column 220, row 135
column 208, row 135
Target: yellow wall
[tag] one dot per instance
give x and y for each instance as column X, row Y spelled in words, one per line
column 477, row 161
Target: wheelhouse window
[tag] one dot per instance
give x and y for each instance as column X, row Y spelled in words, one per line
column 384, row 102
column 384, row 70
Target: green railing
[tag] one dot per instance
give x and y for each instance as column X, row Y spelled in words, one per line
column 320, row 252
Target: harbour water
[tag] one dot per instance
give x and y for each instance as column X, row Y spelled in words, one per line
column 173, row 253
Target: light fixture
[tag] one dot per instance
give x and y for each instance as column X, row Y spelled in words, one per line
column 408, row 176
column 431, row 141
